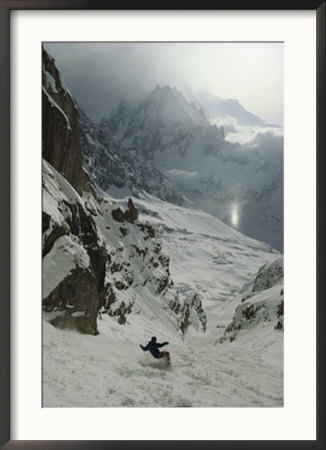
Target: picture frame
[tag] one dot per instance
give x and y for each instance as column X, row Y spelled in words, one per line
column 6, row 6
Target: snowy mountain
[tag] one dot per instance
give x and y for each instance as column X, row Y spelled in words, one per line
column 162, row 120
column 124, row 268
column 241, row 184
column 110, row 164
column 217, row 108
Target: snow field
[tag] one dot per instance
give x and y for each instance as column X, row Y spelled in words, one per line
column 110, row 370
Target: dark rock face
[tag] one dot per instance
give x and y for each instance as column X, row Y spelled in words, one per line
column 118, row 215
column 146, row 227
column 45, row 221
column 124, row 231
column 80, row 294
column 50, row 238
column 79, row 289
column 131, row 214
column 84, row 224
column 60, row 127
column 280, row 314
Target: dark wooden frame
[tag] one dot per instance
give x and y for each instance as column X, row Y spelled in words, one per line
column 5, row 7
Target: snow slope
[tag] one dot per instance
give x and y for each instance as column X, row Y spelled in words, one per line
column 111, row 370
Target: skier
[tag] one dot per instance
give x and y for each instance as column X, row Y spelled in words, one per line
column 154, row 346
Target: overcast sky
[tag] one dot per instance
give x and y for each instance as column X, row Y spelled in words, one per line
column 100, row 74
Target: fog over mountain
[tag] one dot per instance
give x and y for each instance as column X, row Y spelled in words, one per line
column 100, row 74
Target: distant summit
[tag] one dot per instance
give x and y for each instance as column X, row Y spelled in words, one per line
column 220, row 108
column 163, row 119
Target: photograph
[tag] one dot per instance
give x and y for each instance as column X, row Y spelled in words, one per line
column 162, row 224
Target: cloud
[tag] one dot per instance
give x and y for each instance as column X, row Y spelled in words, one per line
column 183, row 174
column 246, row 135
column 100, row 74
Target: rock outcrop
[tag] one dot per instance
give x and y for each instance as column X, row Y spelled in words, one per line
column 74, row 257
column 130, row 215
column 188, row 307
column 60, row 128
column 262, row 302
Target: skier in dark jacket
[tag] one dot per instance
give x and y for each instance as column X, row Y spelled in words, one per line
column 154, row 346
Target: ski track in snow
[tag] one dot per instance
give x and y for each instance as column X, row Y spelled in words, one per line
column 202, row 374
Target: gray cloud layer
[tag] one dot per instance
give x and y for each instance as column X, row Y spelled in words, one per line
column 100, row 74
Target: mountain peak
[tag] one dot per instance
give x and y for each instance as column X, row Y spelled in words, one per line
column 154, row 115
column 169, row 105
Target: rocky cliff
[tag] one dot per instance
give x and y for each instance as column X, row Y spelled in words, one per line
column 98, row 257
column 60, row 130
